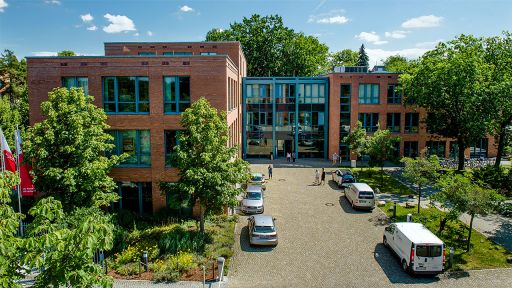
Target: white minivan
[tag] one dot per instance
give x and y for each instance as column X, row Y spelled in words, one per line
column 419, row 250
column 360, row 195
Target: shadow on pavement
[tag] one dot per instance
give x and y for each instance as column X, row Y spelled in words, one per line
column 390, row 264
column 503, row 235
column 246, row 247
column 334, row 185
column 347, row 208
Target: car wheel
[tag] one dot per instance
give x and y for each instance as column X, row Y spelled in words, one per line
column 404, row 266
column 385, row 241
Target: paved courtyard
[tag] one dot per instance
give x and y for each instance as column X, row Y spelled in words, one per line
column 324, row 243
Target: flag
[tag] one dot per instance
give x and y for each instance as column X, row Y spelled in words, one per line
column 9, row 163
column 27, row 186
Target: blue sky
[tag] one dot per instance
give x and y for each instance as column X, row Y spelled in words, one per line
column 407, row 27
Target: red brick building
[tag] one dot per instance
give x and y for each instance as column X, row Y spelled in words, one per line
column 143, row 88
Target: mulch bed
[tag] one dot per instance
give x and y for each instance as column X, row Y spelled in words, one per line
column 191, row 275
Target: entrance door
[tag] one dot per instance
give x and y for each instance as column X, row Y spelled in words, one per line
column 288, row 147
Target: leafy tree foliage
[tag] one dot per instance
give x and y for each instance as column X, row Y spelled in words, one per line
column 362, row 59
column 450, row 82
column 380, row 147
column 9, row 225
column 9, row 119
column 66, row 53
column 498, row 54
column 13, row 86
column 209, row 168
column 397, row 63
column 421, row 171
column 345, row 57
column 356, row 140
column 271, row 48
column 67, row 151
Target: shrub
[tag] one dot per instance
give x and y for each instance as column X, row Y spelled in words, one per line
column 166, row 275
column 496, row 178
column 128, row 269
column 133, row 253
column 180, row 239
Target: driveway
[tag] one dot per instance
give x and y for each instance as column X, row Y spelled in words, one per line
column 324, row 243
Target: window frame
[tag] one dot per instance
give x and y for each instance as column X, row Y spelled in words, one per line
column 393, row 127
column 166, row 155
column 177, row 91
column 138, row 153
column 75, row 82
column 373, row 128
column 408, row 126
column 392, row 99
column 116, row 96
column 367, row 100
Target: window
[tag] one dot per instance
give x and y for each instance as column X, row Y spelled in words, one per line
column 412, row 121
column 370, row 121
column 411, row 149
column 429, row 251
column 345, row 91
column 208, row 53
column 369, row 94
column 436, row 148
column 176, row 94
column 285, row 93
column 394, row 95
column 171, row 141
column 77, row 82
column 136, row 144
column 393, row 122
column 259, row 93
column 479, row 149
column 311, row 93
column 135, row 197
column 147, row 53
column 126, row 95
column 177, row 53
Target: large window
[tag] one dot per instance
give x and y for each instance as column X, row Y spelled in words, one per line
column 369, row 121
column 171, row 141
column 311, row 94
column 176, row 94
column 258, row 93
column 411, row 149
column 134, row 143
column 76, row 82
column 285, row 93
column 147, row 53
column 126, row 95
column 479, row 149
column 135, row 197
column 177, row 53
column 393, row 122
column 394, row 94
column 369, row 94
column 412, row 122
column 436, row 148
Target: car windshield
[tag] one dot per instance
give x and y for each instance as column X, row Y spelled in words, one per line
column 429, row 250
column 366, row 195
column 253, row 195
column 348, row 176
column 264, row 229
column 257, row 178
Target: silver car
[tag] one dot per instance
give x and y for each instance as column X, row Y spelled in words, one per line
column 262, row 230
column 253, row 201
column 257, row 178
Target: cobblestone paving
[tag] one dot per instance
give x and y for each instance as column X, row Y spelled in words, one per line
column 324, row 243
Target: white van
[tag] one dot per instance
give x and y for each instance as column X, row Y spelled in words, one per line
column 419, row 250
column 360, row 195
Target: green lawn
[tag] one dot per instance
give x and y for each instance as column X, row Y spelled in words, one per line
column 372, row 177
column 483, row 253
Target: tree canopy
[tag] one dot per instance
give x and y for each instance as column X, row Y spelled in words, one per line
column 272, row 49
column 66, row 53
column 13, row 86
column 421, row 171
column 397, row 63
column 362, row 59
column 345, row 57
column 356, row 140
column 450, row 82
column 209, row 169
column 67, row 150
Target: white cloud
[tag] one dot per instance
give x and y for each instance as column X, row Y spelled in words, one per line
column 423, row 21
column 136, row 34
column 92, row 28
column 56, row 2
column 377, row 56
column 44, row 53
column 186, row 9
column 118, row 23
column 150, row 33
column 87, row 17
column 429, row 43
column 333, row 20
column 397, row 34
column 3, row 5
column 331, row 17
column 371, row 37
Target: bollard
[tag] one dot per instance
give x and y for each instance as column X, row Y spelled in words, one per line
column 452, row 250
column 145, row 260
column 409, row 217
column 220, row 266
column 394, row 209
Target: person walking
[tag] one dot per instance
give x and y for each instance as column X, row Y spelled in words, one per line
column 323, row 177
column 269, row 171
column 288, row 156
column 317, row 177
column 293, row 156
column 334, row 158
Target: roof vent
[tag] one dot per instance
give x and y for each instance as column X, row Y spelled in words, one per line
column 165, row 62
column 63, row 64
column 186, row 63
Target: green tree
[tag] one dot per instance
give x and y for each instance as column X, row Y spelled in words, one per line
column 362, row 59
column 67, row 151
column 396, row 63
column 450, row 82
column 13, row 84
column 9, row 119
column 209, row 169
column 271, row 48
column 380, row 147
column 498, row 54
column 9, row 225
column 66, row 53
column 345, row 57
column 421, row 171
column 460, row 195
column 357, row 140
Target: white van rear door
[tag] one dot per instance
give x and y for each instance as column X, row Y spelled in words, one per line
column 428, row 257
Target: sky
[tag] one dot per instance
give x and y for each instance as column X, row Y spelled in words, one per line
column 405, row 27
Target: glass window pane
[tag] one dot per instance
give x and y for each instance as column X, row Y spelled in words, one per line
column 171, row 107
column 127, row 107
column 249, row 90
column 314, row 92
column 308, row 90
column 130, row 196
column 301, row 90
column 147, row 199
column 109, row 107
column 361, row 94
column 126, row 89
column 109, row 89
column 83, row 83
column 68, row 82
column 183, row 106
column 184, row 88
column 169, row 89
column 145, row 140
column 143, row 107
column 128, row 145
column 143, row 88
column 321, row 92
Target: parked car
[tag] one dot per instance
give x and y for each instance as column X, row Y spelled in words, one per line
column 262, row 230
column 360, row 195
column 253, row 200
column 257, row 178
column 342, row 177
column 419, row 250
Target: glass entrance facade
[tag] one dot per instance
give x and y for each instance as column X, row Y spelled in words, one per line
column 285, row 115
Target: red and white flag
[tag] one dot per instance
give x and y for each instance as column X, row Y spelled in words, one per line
column 27, row 186
column 9, row 163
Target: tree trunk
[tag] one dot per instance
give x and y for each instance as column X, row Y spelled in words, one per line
column 201, row 221
column 442, row 224
column 461, row 147
column 501, row 142
column 419, row 198
column 470, row 229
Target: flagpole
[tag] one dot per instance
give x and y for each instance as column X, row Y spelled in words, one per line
column 2, row 150
column 17, row 140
